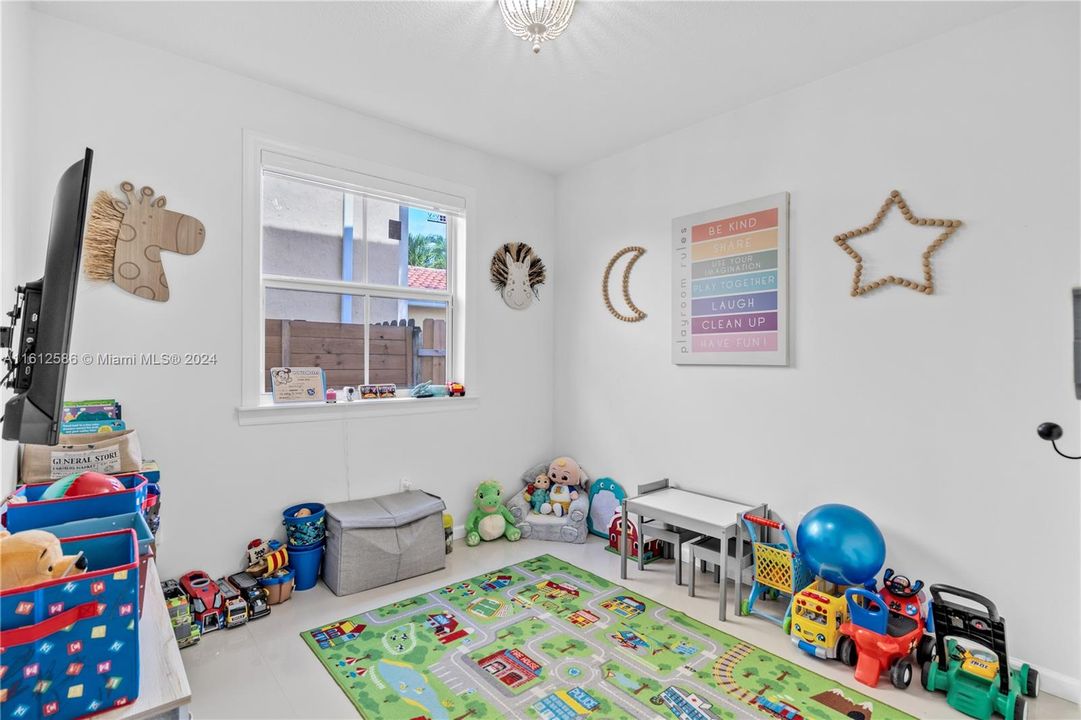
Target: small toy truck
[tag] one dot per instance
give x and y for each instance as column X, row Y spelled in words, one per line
column 206, row 600
column 977, row 681
column 253, row 593
column 236, row 609
column 184, row 626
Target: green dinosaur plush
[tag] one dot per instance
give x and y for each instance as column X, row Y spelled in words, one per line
column 489, row 518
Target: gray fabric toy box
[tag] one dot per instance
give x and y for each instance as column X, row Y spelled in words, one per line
column 380, row 540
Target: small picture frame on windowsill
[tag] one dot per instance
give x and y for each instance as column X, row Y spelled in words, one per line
column 298, row 384
column 378, row 392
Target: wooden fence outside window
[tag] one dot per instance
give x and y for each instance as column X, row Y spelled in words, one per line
column 402, row 353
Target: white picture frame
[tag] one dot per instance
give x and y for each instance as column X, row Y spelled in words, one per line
column 730, row 284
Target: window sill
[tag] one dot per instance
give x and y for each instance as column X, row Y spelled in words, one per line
column 270, row 414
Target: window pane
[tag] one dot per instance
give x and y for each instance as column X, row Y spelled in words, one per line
column 314, row 329
column 409, row 341
column 318, row 232
column 302, row 229
column 420, row 261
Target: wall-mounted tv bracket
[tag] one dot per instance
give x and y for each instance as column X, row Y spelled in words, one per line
column 17, row 371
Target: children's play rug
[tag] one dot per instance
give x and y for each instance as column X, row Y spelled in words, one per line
column 545, row 639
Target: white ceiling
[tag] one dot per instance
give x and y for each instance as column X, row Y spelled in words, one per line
column 624, row 72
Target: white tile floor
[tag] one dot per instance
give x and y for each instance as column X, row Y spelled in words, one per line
column 264, row 669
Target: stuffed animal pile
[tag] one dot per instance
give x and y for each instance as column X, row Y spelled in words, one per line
column 553, row 493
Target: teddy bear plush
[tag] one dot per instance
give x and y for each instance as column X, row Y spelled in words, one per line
column 34, row 556
column 566, row 477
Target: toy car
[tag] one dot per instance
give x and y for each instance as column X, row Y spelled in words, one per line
column 455, row 389
column 236, row 609
column 817, row 616
column 977, row 681
column 185, row 628
column 253, row 593
column 885, row 629
column 206, row 600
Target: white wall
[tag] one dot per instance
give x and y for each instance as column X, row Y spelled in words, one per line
column 919, row 410
column 176, row 125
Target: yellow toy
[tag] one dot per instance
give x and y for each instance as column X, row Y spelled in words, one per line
column 34, row 556
column 818, row 611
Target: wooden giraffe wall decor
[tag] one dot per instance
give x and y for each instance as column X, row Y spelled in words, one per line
column 125, row 239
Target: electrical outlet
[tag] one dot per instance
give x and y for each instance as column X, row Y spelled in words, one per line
column 406, row 485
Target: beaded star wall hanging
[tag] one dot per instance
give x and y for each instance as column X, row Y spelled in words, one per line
column 928, row 285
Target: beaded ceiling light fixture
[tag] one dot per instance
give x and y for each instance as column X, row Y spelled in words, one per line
column 537, row 21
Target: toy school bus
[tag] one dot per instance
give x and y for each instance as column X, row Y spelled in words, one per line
column 817, row 616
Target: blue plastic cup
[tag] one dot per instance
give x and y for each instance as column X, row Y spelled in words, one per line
column 306, row 561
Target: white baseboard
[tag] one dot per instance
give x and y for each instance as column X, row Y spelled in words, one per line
column 1056, row 683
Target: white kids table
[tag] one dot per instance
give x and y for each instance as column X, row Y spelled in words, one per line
column 704, row 514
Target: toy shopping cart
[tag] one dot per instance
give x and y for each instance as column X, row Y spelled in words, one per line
column 779, row 572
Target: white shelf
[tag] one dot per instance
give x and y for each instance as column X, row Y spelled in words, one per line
column 164, row 691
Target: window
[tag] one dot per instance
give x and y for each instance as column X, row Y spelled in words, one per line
column 356, row 272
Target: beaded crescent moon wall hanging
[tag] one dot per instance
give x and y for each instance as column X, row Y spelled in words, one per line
column 638, row 315
column 928, row 285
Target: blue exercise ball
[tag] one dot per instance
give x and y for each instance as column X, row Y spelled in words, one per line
column 841, row 544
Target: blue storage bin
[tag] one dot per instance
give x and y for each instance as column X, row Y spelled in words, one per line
column 70, row 647
column 36, row 513
column 151, row 471
column 94, row 526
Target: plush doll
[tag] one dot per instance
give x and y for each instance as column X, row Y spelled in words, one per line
column 537, row 495
column 489, row 519
column 34, row 556
column 566, row 478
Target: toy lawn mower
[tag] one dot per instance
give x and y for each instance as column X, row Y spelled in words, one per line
column 885, row 629
column 977, row 681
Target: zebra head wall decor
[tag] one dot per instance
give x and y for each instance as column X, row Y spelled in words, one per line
column 516, row 273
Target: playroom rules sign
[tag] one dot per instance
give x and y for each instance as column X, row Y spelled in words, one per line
column 730, row 285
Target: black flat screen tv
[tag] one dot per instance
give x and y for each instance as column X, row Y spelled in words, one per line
column 44, row 310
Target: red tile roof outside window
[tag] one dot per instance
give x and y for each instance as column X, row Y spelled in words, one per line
column 427, row 278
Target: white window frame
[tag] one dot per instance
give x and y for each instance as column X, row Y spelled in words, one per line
column 264, row 153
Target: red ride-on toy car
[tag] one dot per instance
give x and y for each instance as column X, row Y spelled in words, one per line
column 885, row 629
